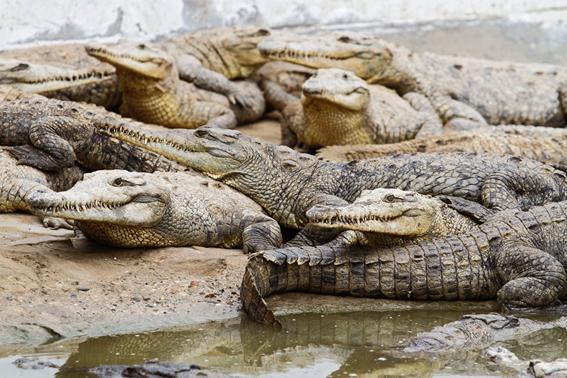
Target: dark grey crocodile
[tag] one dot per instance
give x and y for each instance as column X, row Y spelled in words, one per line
column 517, row 257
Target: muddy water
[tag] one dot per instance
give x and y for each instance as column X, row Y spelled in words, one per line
column 311, row 345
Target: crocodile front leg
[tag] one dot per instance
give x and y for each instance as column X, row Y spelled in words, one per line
column 431, row 123
column 293, row 120
column 532, row 277
column 50, row 149
column 260, row 233
column 191, row 70
column 213, row 114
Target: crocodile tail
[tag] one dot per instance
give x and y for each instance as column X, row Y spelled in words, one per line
column 256, row 285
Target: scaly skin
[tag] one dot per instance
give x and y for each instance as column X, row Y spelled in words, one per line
column 51, row 134
column 287, row 183
column 517, row 257
column 64, row 72
column 549, row 150
column 211, row 58
column 462, row 90
column 512, row 365
column 19, row 182
column 131, row 209
column 287, row 75
column 477, row 331
column 154, row 93
column 393, row 216
column 338, row 108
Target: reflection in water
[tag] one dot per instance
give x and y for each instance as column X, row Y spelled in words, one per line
column 310, row 345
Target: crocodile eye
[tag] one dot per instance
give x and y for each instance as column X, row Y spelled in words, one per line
column 392, row 198
column 117, row 182
column 20, row 67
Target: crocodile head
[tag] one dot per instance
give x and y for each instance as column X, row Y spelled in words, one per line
column 339, row 87
column 368, row 58
column 385, row 211
column 216, row 152
column 138, row 58
column 114, row 197
column 39, row 78
column 237, row 47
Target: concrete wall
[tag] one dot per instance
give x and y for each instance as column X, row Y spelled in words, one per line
column 24, row 22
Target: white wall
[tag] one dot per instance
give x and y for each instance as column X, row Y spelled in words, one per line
column 23, row 22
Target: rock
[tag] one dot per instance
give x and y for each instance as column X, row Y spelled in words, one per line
column 153, row 369
column 23, row 334
column 34, row 363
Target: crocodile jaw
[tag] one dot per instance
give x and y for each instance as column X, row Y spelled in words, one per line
column 365, row 60
column 384, row 211
column 205, row 150
column 39, row 78
column 101, row 198
column 142, row 60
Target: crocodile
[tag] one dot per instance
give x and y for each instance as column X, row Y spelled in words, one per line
column 477, row 331
column 152, row 91
column 464, row 91
column 508, row 361
column 337, row 108
column 517, row 257
column 287, row 183
column 19, row 182
column 133, row 209
column 211, row 59
column 549, row 150
column 51, row 134
column 64, row 72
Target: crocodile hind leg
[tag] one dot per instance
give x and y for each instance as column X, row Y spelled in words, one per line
column 532, row 277
column 50, row 149
column 509, row 189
